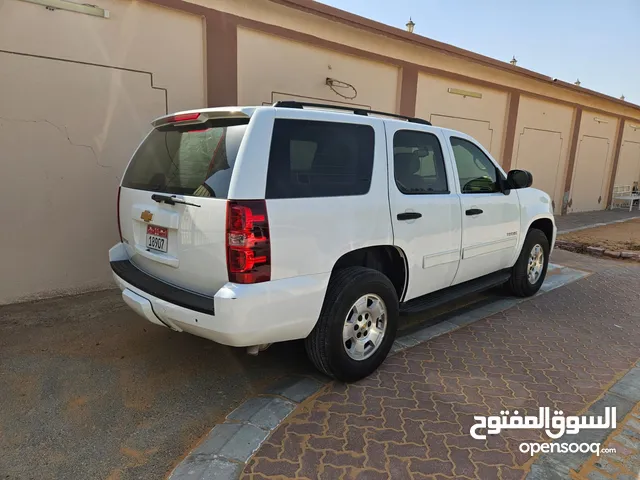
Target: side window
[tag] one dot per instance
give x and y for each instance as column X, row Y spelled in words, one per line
column 476, row 171
column 319, row 159
column 418, row 163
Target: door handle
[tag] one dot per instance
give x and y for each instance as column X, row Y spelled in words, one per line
column 409, row 215
column 473, row 211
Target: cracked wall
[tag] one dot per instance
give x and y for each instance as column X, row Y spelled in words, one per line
column 77, row 96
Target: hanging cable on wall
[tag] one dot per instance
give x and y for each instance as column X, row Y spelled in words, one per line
column 342, row 89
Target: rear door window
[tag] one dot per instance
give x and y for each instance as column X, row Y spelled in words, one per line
column 193, row 160
column 418, row 163
column 319, row 159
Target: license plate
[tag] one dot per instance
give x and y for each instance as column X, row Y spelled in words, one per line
column 157, row 238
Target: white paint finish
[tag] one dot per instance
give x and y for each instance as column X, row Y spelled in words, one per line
column 196, row 259
column 485, row 245
column 309, row 235
column 534, row 205
column 431, row 243
column 486, row 242
column 141, row 306
column 250, row 171
column 242, row 316
column 441, row 258
column 427, row 241
column 490, row 247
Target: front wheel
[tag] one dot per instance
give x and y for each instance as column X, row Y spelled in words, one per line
column 357, row 324
column 530, row 269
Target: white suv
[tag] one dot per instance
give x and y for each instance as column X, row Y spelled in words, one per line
column 254, row 225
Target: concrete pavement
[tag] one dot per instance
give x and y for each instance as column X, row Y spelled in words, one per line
column 89, row 390
column 578, row 221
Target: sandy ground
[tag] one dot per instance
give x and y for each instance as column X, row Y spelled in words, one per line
column 616, row 237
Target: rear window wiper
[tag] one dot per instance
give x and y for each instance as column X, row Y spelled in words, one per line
column 170, row 200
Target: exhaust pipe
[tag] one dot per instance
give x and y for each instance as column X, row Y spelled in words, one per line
column 255, row 349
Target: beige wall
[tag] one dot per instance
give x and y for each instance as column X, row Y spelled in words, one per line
column 541, row 144
column 482, row 118
column 67, row 130
column 629, row 160
column 272, row 68
column 275, row 14
column 593, row 162
column 77, row 94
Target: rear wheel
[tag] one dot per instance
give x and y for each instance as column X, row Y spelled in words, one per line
column 357, row 325
column 531, row 267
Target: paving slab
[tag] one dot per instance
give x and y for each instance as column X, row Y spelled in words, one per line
column 562, row 349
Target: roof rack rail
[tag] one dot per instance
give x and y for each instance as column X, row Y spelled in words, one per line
column 355, row 110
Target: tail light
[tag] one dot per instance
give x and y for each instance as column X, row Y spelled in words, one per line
column 247, row 241
column 118, row 213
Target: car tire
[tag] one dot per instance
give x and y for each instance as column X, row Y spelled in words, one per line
column 343, row 302
column 523, row 281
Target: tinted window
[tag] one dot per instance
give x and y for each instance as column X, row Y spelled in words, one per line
column 189, row 160
column 319, row 159
column 476, row 171
column 418, row 163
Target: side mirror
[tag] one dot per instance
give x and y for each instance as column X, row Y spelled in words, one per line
column 519, row 179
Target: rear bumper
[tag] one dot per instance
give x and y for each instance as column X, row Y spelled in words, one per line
column 237, row 315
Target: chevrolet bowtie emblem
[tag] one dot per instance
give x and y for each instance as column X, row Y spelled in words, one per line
column 146, row 216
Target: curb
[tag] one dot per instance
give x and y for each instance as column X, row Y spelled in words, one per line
column 593, row 225
column 597, row 251
column 222, row 455
column 229, row 445
column 624, row 395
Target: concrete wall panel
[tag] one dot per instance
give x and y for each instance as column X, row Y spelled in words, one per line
column 629, row 160
column 272, row 68
column 541, row 144
column 594, row 159
column 483, row 118
column 68, row 129
column 273, row 13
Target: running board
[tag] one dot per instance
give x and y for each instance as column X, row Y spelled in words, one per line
column 445, row 295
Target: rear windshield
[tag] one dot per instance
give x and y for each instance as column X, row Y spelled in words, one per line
column 194, row 160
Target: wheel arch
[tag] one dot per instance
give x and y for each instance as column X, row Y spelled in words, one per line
column 387, row 259
column 546, row 225
column 543, row 222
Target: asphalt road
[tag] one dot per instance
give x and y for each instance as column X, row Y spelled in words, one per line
column 90, row 390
